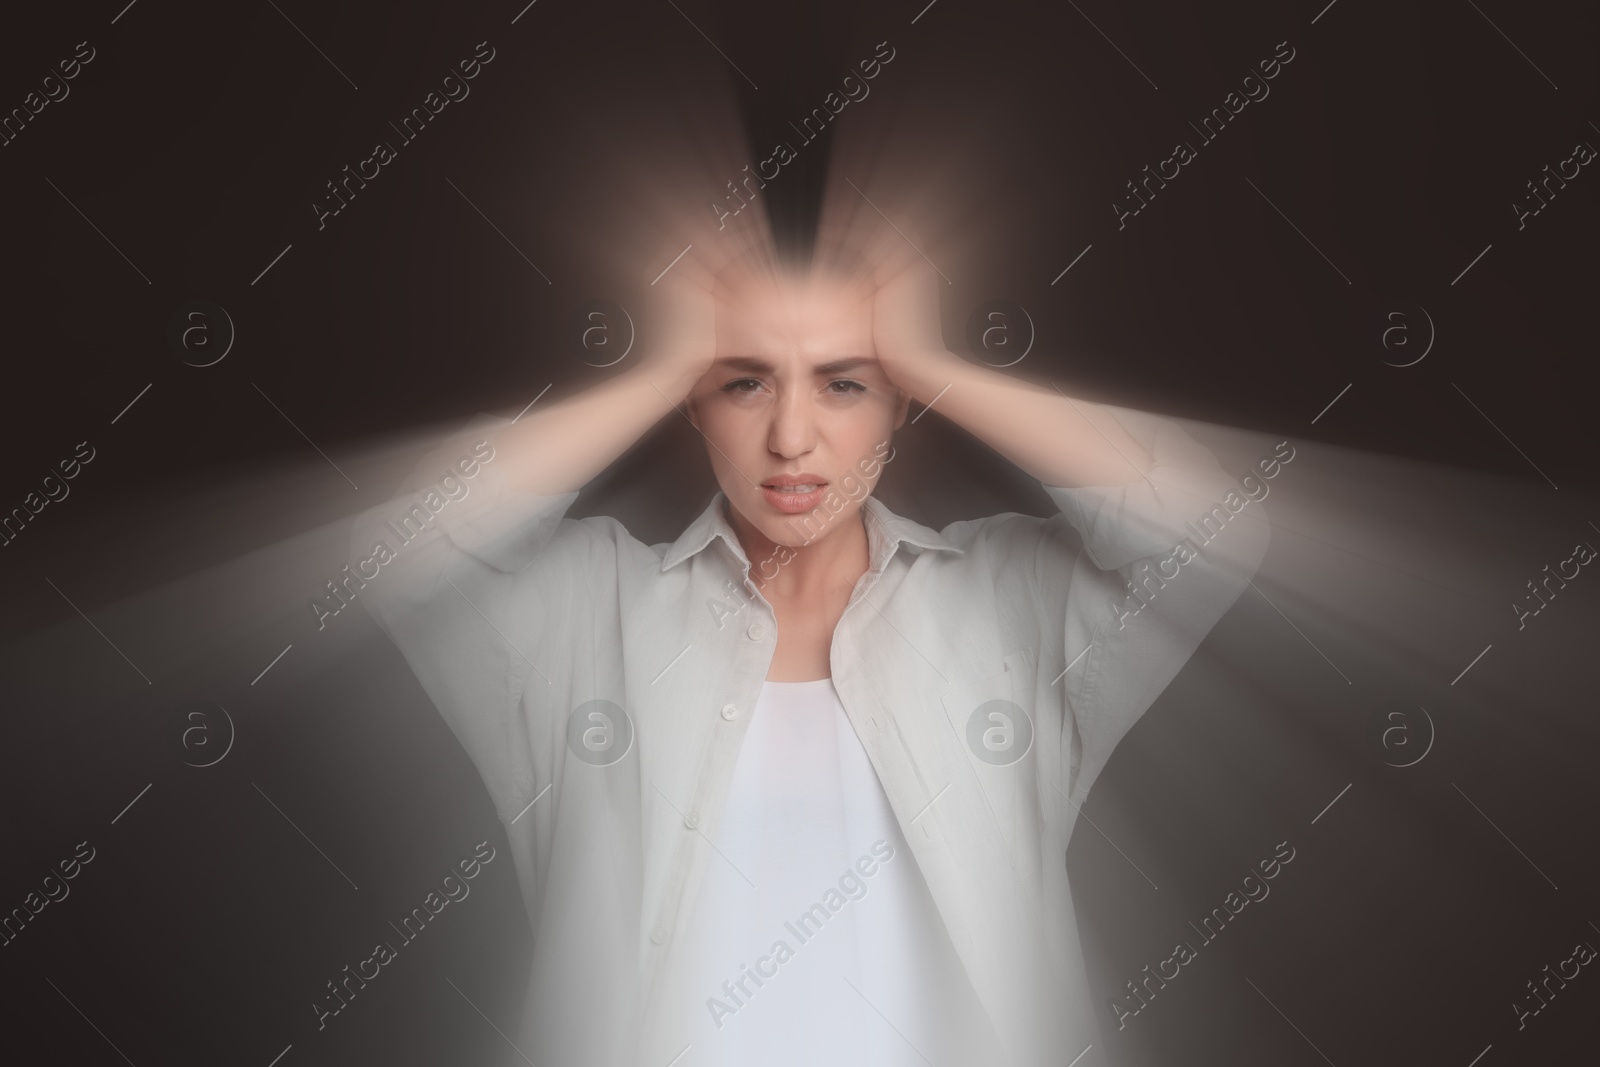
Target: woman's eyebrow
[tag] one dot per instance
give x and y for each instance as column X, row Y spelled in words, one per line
column 844, row 366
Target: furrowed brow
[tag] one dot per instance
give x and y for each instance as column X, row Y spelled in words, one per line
column 845, row 366
column 758, row 365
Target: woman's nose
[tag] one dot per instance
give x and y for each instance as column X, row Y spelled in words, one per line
column 793, row 430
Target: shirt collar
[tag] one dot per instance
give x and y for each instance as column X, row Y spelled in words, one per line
column 885, row 532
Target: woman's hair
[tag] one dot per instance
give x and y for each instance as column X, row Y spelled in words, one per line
column 825, row 256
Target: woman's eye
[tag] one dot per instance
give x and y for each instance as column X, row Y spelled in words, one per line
column 838, row 387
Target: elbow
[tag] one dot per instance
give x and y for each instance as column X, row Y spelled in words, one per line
column 1237, row 554
column 1257, row 539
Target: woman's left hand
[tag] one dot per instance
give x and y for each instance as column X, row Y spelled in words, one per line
column 906, row 327
column 1060, row 440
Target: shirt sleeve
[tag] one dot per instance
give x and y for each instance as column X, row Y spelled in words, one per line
column 445, row 569
column 1162, row 560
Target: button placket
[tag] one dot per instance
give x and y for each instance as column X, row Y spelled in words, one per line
column 718, row 765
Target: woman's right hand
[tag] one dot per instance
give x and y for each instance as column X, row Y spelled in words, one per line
column 680, row 337
column 561, row 445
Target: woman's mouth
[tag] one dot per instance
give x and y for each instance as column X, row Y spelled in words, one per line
column 794, row 495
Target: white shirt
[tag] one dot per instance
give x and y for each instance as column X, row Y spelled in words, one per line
column 604, row 688
column 813, row 939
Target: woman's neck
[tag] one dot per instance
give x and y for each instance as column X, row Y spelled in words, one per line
column 796, row 573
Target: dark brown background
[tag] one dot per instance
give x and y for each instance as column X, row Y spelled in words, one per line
column 1396, row 141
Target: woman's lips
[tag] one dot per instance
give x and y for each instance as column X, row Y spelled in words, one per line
column 792, row 503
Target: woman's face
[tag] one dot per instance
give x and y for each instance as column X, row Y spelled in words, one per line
column 796, row 397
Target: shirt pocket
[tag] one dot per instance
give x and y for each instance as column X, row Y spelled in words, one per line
column 999, row 735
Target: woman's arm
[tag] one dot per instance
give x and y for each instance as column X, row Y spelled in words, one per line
column 1127, row 575
column 1057, row 439
column 463, row 570
column 561, row 447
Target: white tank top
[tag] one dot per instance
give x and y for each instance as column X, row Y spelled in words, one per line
column 814, row 939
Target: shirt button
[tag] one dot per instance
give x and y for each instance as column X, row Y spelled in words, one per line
column 730, row 712
column 659, row 937
column 692, row 820
column 756, row 631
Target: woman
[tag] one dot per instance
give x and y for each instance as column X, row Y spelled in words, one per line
column 799, row 785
